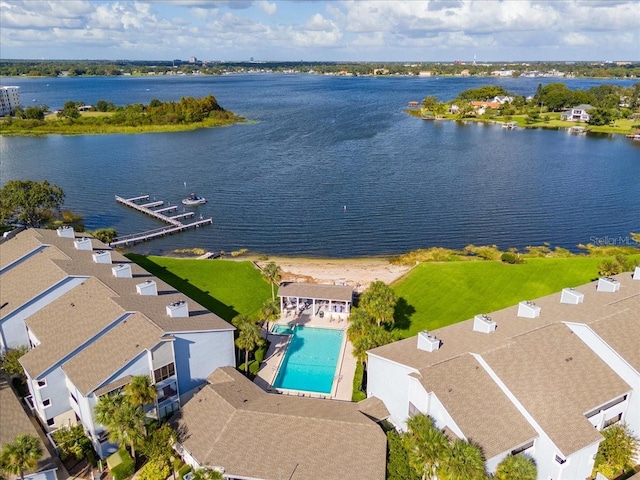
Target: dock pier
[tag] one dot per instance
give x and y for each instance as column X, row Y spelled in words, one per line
column 174, row 223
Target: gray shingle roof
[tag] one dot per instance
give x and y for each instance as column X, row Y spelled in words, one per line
column 300, row 438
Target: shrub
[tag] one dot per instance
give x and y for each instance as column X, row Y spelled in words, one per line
column 358, row 378
column 509, row 257
column 153, row 471
column 183, row 471
column 124, row 466
column 619, row 264
column 398, row 467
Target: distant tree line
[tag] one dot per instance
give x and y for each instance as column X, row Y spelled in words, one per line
column 53, row 68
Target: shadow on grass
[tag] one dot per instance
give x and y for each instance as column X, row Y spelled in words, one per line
column 402, row 315
column 203, row 298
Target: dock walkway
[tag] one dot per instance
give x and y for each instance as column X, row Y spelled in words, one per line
column 175, row 225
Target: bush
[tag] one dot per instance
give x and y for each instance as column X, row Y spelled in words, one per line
column 183, row 471
column 358, row 378
column 398, row 467
column 124, row 466
column 153, row 471
column 619, row 264
column 509, row 257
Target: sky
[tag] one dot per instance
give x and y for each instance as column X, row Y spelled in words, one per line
column 322, row 30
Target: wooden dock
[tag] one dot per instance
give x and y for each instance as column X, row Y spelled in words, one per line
column 175, row 225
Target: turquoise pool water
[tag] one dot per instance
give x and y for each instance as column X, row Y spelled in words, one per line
column 311, row 359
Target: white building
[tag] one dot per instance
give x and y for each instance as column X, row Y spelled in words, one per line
column 93, row 319
column 541, row 378
column 9, row 100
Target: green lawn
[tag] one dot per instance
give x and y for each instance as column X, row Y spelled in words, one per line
column 225, row 287
column 434, row 295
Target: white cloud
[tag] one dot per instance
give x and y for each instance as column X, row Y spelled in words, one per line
column 268, row 7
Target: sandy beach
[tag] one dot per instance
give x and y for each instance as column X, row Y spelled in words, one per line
column 357, row 272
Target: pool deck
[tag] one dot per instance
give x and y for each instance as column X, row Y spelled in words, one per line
column 343, row 382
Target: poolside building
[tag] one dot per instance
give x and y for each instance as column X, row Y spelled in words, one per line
column 541, row 378
column 325, row 301
column 93, row 319
column 235, row 427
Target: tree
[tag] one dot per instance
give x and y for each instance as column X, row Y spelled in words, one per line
column 272, row 274
column 105, row 235
column 425, row 444
column 123, row 420
column 140, row 391
column 397, row 459
column 248, row 337
column 21, row 455
column 364, row 334
column 73, row 442
column 462, row 460
column 270, row 312
column 70, row 110
column 32, row 203
column 10, row 361
column 601, row 116
column 379, row 301
column 158, row 446
column 516, row 467
column 617, row 451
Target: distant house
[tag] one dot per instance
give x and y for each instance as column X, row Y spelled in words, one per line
column 577, row 114
column 502, row 99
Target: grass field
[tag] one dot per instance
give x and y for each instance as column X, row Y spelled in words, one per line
column 434, row 295
column 225, row 287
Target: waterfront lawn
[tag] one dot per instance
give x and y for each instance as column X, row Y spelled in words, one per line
column 434, row 295
column 225, row 287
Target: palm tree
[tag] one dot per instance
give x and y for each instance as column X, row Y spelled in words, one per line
column 379, row 301
column 462, row 460
column 123, row 420
column 364, row 334
column 517, row 467
column 106, row 407
column 21, row 455
column 426, row 445
column 248, row 337
column 272, row 274
column 140, row 391
column 270, row 312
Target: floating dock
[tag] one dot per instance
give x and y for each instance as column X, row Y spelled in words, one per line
column 174, row 223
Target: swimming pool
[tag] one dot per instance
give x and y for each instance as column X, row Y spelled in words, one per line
column 311, row 358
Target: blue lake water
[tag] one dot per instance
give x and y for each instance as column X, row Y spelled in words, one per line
column 311, row 359
column 317, row 144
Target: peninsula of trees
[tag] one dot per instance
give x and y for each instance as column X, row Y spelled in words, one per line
column 76, row 118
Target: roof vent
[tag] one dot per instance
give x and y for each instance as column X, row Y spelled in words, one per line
column 122, row 270
column 608, row 284
column 147, row 288
column 528, row 310
column 427, row 342
column 484, row 324
column 571, row 296
column 66, row 231
column 178, row 309
column 102, row 256
column 636, row 274
column 83, row 243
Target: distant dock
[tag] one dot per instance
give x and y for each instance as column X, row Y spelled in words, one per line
column 174, row 223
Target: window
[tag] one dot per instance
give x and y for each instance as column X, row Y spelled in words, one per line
column 42, row 383
column 413, row 410
column 165, row 372
column 46, row 402
column 73, row 397
column 521, row 449
column 607, row 406
column 612, row 420
column 560, row 460
column 50, row 422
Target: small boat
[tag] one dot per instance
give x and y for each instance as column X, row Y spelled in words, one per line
column 577, row 130
column 509, row 125
column 194, row 199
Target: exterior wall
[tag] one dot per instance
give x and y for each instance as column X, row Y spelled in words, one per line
column 13, row 331
column 389, row 382
column 578, row 465
column 198, row 354
column 9, row 99
column 56, row 391
column 619, row 365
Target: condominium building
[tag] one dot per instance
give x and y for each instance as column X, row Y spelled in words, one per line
column 9, row 100
column 541, row 378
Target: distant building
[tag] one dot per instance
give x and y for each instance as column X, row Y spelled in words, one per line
column 577, row 114
column 9, row 100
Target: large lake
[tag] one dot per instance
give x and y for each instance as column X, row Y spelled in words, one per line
column 332, row 166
